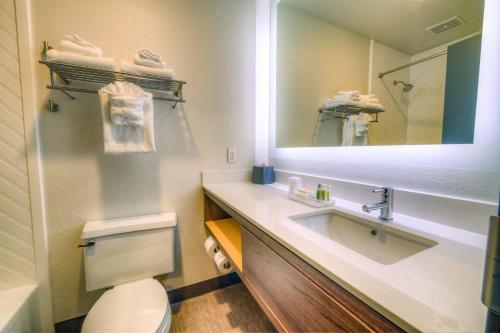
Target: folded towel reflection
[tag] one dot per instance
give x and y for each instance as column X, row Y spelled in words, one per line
column 143, row 70
column 80, row 60
column 354, row 99
column 127, row 109
column 130, row 137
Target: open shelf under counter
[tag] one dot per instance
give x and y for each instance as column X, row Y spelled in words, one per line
column 227, row 233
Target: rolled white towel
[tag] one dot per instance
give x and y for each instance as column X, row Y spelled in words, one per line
column 331, row 103
column 347, row 98
column 148, row 54
column 353, row 93
column 375, row 106
column 80, row 60
column 80, row 41
column 71, row 47
column 143, row 70
column 149, row 63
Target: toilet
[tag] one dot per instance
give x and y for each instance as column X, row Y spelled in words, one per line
column 124, row 255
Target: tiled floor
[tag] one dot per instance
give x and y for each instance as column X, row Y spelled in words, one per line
column 231, row 309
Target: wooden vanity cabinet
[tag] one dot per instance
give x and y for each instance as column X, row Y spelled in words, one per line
column 294, row 295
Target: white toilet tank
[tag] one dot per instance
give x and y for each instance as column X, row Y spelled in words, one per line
column 128, row 249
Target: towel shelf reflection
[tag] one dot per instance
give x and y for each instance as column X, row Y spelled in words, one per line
column 341, row 112
column 162, row 88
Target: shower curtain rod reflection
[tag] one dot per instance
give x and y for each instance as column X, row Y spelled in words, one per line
column 381, row 75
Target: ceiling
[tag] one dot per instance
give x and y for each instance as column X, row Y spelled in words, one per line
column 400, row 24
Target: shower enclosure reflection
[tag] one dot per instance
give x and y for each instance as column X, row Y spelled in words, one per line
column 376, row 72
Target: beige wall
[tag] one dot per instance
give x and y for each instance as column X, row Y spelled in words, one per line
column 17, row 260
column 315, row 59
column 211, row 45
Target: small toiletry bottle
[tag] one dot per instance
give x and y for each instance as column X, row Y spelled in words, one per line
column 327, row 193
column 318, row 192
column 330, row 193
column 323, row 192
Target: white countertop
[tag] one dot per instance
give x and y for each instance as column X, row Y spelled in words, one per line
column 436, row 290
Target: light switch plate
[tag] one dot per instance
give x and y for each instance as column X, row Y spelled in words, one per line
column 231, row 155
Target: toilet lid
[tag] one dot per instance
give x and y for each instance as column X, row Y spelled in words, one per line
column 139, row 306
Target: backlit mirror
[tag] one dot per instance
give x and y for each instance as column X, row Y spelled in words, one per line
column 376, row 72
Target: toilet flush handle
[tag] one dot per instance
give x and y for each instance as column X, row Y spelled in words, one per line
column 87, row 243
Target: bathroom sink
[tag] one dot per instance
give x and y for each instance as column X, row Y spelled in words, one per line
column 376, row 241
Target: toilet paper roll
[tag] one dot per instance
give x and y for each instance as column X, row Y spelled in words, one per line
column 211, row 247
column 222, row 263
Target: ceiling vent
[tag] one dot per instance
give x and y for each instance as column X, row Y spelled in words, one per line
column 448, row 24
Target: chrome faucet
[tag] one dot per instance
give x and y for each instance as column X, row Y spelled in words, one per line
column 385, row 205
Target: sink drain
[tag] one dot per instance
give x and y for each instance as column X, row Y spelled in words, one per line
column 374, row 232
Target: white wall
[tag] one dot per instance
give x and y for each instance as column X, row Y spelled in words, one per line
column 17, row 259
column 466, row 171
column 211, row 45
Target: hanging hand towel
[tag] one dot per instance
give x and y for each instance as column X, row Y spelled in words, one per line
column 127, row 109
column 120, row 139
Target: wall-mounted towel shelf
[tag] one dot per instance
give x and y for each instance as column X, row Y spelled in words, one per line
column 343, row 111
column 162, row 88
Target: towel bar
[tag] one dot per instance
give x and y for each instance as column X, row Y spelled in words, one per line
column 346, row 110
column 162, row 88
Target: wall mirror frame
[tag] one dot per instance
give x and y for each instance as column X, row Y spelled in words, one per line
column 319, row 53
column 480, row 155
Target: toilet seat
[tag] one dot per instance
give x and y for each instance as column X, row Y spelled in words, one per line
column 139, row 306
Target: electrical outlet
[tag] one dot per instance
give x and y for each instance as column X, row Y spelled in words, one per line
column 231, row 155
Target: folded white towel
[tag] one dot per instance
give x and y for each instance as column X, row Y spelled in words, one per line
column 71, row 47
column 148, row 54
column 149, row 63
column 80, row 60
column 331, row 103
column 127, row 109
column 80, row 41
column 127, row 139
column 352, row 93
column 375, row 106
column 143, row 70
column 347, row 98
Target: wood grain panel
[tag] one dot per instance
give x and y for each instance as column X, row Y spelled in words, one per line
column 17, row 261
column 213, row 211
column 227, row 232
column 298, row 303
